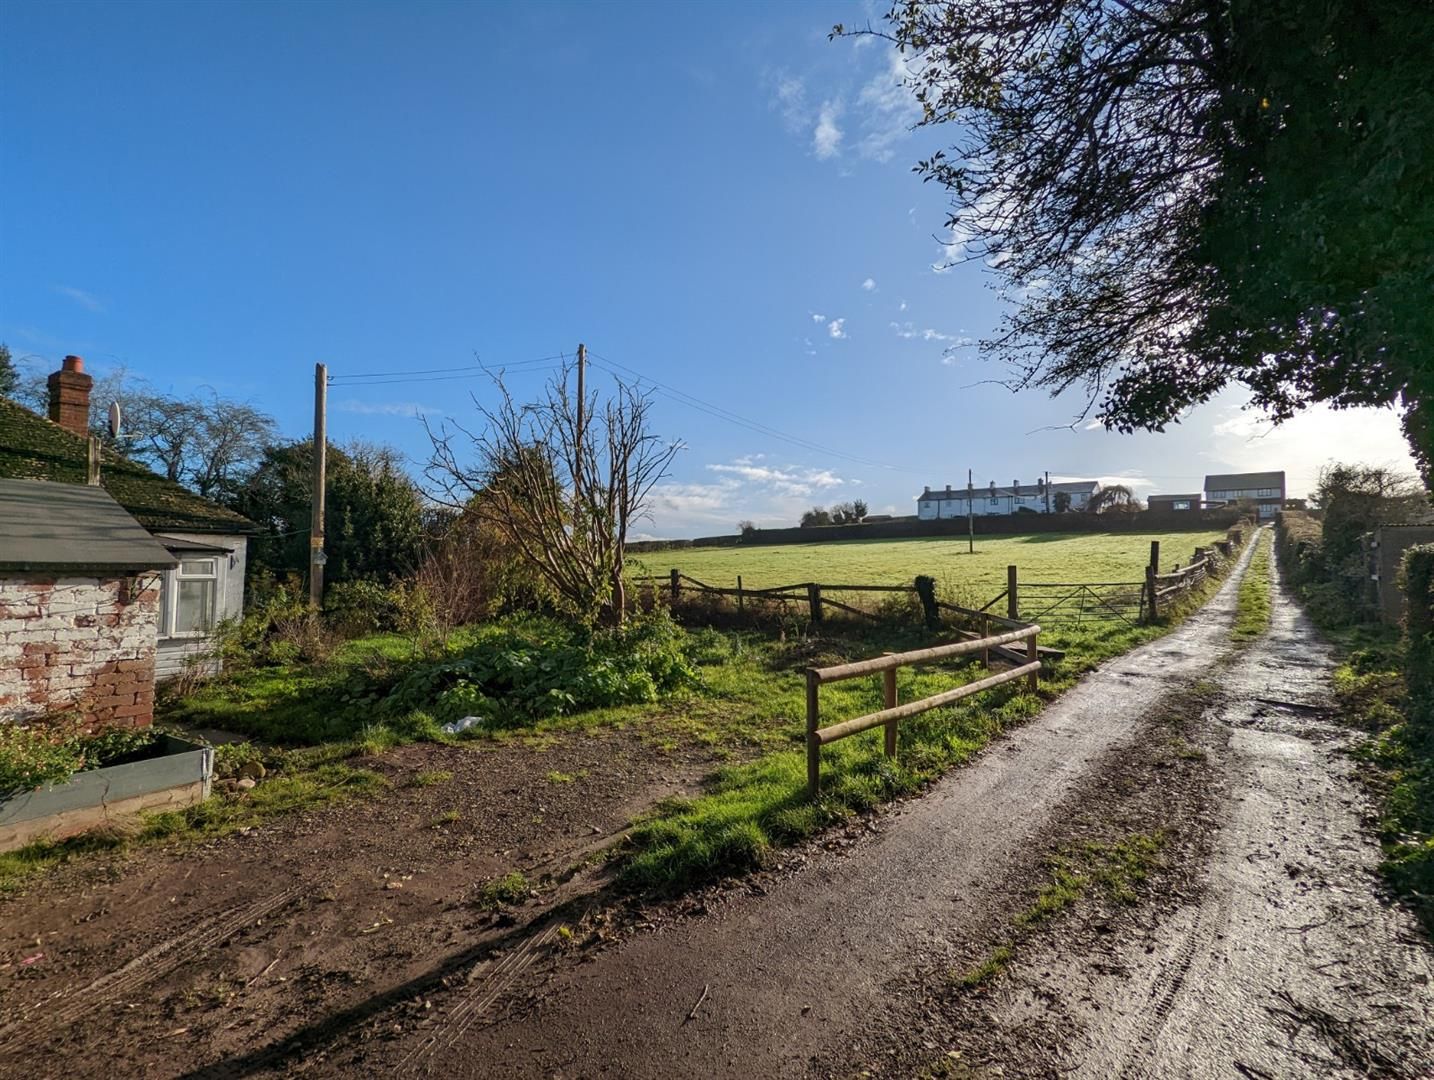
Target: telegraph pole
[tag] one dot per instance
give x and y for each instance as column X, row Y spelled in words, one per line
column 970, row 515
column 582, row 407
column 321, row 454
column 1048, row 491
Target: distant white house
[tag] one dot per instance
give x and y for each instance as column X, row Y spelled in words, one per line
column 1039, row 497
column 1265, row 489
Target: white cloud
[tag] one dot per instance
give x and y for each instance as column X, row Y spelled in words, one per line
column 389, row 408
column 790, row 99
column 902, row 307
column 88, row 301
column 834, row 328
column 826, row 139
column 818, row 318
column 745, row 487
column 889, row 109
column 1245, row 441
column 910, row 332
column 869, row 285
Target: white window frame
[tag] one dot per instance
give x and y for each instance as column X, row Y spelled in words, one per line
column 172, row 578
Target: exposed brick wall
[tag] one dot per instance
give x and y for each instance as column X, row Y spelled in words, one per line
column 78, row 644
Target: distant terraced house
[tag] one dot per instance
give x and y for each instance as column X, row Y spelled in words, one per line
column 78, row 559
column 1039, row 498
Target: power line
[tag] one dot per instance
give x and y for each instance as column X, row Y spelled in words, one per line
column 356, row 378
column 717, row 411
column 445, row 378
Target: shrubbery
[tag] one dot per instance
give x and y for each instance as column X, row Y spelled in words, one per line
column 52, row 751
column 519, row 671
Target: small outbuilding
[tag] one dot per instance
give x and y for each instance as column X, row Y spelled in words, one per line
column 79, row 605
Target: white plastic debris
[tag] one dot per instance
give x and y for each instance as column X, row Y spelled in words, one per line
column 456, row 726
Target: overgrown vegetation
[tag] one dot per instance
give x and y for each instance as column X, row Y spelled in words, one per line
column 52, row 750
column 1385, row 684
column 1252, row 613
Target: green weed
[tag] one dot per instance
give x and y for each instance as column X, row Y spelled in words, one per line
column 431, row 778
column 511, row 888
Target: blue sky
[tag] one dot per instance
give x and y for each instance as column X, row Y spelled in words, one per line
column 714, row 196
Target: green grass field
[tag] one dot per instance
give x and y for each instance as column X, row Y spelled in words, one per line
column 1040, row 557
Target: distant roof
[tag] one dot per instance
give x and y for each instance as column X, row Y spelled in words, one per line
column 48, row 526
column 1025, row 491
column 1166, row 498
column 34, row 448
column 1223, row 481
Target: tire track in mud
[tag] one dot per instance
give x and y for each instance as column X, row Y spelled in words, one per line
column 157, row 962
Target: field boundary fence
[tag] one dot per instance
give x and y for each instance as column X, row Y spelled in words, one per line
column 1052, row 603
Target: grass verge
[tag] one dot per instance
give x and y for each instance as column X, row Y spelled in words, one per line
column 1253, row 606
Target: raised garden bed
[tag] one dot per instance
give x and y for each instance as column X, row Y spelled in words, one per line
column 168, row 774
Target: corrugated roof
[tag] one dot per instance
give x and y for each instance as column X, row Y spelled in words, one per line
column 33, row 448
column 1238, row 481
column 49, row 526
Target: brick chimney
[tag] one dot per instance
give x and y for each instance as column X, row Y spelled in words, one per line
column 70, row 396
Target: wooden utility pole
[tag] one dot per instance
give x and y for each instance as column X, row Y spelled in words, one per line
column 970, row 514
column 1048, row 491
column 578, row 449
column 316, row 518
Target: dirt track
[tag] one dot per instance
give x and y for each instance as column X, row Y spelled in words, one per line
column 813, row 974
column 1260, row 948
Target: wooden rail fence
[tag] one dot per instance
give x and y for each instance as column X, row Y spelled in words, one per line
column 893, row 712
column 1053, row 603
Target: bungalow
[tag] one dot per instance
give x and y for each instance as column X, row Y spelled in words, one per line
column 1039, row 498
column 205, row 582
column 1265, row 489
column 79, row 605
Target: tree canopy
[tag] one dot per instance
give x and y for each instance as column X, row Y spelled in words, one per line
column 1181, row 195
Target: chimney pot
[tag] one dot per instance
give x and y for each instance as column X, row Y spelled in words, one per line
column 1016, row 486
column 70, row 396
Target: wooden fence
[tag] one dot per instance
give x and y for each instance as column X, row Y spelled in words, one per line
column 893, row 712
column 1052, row 603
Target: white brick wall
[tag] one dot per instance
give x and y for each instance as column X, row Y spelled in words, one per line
column 78, row 644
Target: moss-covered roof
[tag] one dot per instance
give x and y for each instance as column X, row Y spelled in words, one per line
column 33, row 448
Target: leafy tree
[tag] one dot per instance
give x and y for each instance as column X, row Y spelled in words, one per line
column 9, row 373
column 1357, row 498
column 1061, row 502
column 374, row 513
column 848, row 513
column 817, row 515
column 1178, row 195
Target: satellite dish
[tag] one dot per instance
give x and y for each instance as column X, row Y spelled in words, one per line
column 114, row 419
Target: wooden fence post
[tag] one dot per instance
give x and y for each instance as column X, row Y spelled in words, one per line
column 814, row 750
column 1150, row 592
column 676, row 586
column 740, row 607
column 889, row 688
column 814, row 600
column 1033, row 655
column 1155, row 555
column 985, row 633
column 1012, row 606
